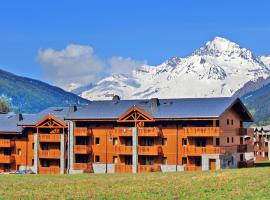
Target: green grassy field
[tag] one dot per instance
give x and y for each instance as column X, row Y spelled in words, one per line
column 252, row 183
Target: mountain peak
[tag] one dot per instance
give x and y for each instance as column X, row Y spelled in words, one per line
column 223, row 47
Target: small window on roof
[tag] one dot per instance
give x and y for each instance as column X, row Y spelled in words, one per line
column 58, row 110
column 168, row 103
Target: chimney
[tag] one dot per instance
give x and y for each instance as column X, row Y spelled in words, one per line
column 154, row 103
column 116, row 98
column 72, row 109
column 19, row 117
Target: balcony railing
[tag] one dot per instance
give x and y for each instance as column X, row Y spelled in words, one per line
column 122, row 168
column 142, row 150
column 82, row 149
column 192, row 168
column 191, row 150
column 53, row 154
column 148, row 168
column 150, row 150
column 201, row 131
column 6, row 159
column 246, row 131
column 6, row 143
column 123, row 150
column 82, row 166
column 149, row 132
column 49, row 138
column 142, row 132
column 82, row 131
column 241, row 148
column 49, row 170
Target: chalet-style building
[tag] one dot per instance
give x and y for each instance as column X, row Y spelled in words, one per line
column 129, row 136
column 261, row 142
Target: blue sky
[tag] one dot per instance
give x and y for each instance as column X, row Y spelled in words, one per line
column 146, row 31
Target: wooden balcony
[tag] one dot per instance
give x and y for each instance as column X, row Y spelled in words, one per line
column 192, row 168
column 49, row 170
column 82, row 149
column 122, row 168
column 241, row 148
column 148, row 168
column 49, row 137
column 197, row 151
column 122, row 131
column 7, row 159
column 150, row 150
column 246, row 132
column 201, row 131
column 7, row 143
column 82, row 131
column 142, row 132
column 149, row 132
column 50, row 154
column 82, row 166
column 142, row 150
column 123, row 150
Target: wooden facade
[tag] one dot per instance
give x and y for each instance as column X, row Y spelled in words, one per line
column 261, row 144
column 135, row 141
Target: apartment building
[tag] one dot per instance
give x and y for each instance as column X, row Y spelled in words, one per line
column 261, row 143
column 119, row 136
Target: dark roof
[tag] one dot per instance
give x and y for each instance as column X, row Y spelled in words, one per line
column 167, row 109
column 58, row 112
column 8, row 123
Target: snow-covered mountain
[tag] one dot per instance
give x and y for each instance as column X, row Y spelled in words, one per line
column 219, row 68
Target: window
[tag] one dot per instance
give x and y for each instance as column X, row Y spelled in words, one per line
column 19, row 152
column 217, row 141
column 217, row 123
column 241, row 124
column 228, row 122
column 164, row 160
column 241, row 140
column 232, row 139
column 33, row 162
column 184, row 161
column 115, row 159
column 232, row 122
column 97, row 159
column 164, row 141
column 33, row 145
column 97, row 140
column 184, row 141
column 228, row 140
column 115, row 141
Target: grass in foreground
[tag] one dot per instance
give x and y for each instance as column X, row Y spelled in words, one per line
column 252, row 183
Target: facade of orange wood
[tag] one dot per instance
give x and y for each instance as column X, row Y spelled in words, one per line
column 261, row 143
column 121, row 136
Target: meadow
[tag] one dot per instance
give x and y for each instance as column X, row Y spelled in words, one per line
column 251, row 183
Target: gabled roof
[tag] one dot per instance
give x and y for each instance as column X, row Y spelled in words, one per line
column 167, row 109
column 58, row 112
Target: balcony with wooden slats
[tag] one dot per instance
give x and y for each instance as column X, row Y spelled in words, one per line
column 122, row 168
column 50, row 154
column 82, row 149
column 49, row 170
column 142, row 132
column 82, row 166
column 201, row 131
column 49, row 137
column 198, row 151
column 148, row 168
column 142, row 150
column 82, row 131
column 6, row 159
column 246, row 132
column 6, row 143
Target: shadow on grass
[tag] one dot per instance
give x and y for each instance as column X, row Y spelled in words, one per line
column 262, row 164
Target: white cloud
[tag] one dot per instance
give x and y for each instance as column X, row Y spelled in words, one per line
column 76, row 64
column 119, row 64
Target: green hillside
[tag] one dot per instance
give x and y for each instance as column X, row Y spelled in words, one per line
column 30, row 96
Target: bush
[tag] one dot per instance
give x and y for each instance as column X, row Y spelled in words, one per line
column 3, row 106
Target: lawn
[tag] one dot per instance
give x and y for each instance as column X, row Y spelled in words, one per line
column 252, row 183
